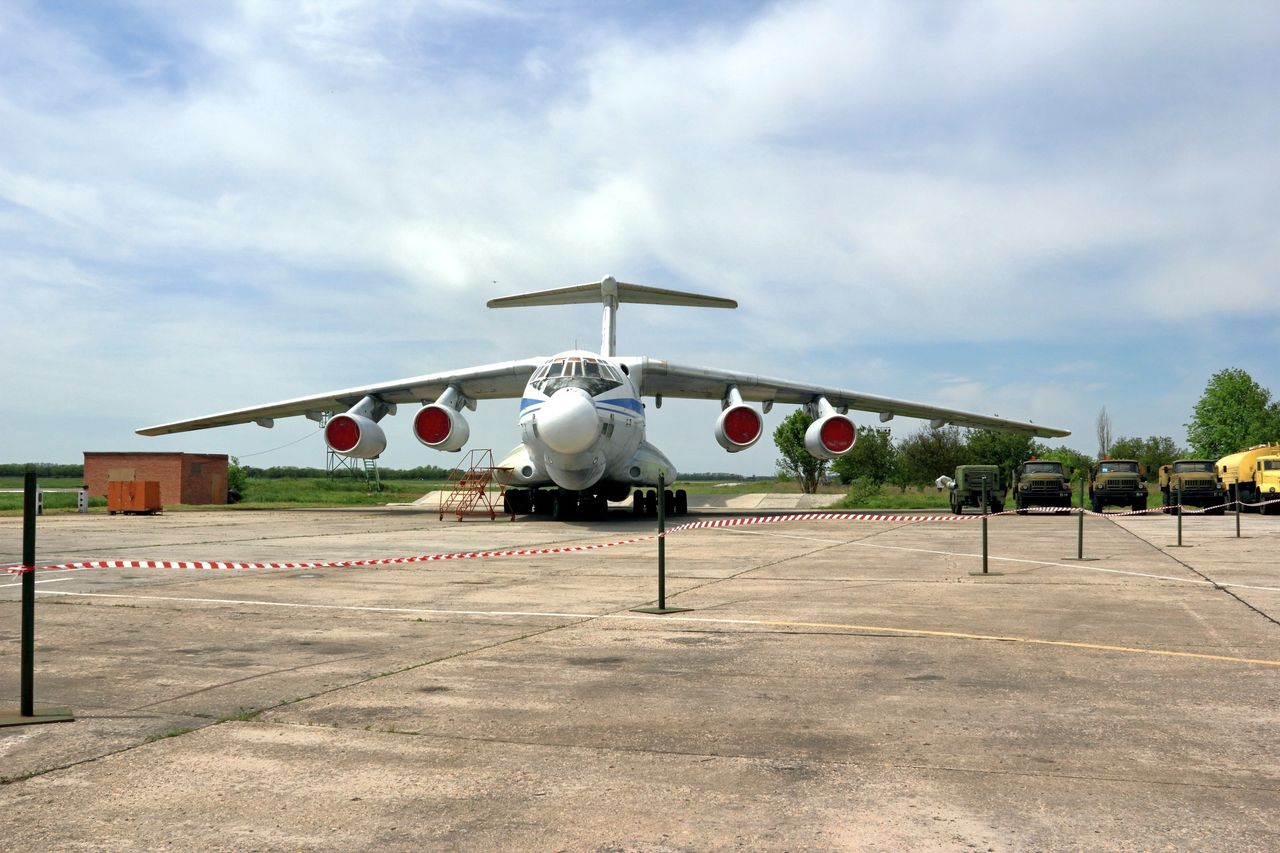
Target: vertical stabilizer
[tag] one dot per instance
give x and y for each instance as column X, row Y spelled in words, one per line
column 611, row 293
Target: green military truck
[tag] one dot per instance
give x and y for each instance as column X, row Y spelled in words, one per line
column 1117, row 482
column 1040, row 482
column 968, row 485
column 1196, row 482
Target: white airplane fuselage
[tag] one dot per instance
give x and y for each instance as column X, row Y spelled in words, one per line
column 582, row 429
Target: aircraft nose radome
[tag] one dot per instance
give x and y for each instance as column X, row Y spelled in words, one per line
column 567, row 422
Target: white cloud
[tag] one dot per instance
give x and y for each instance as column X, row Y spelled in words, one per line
column 325, row 178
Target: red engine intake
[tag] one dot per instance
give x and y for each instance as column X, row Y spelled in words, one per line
column 738, row 428
column 830, row 437
column 355, row 435
column 441, row 428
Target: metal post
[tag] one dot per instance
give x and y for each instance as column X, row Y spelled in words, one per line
column 28, row 594
column 1080, row 533
column 985, row 573
column 984, row 524
column 662, row 555
column 1180, row 510
column 28, row 714
column 1237, row 502
column 662, row 542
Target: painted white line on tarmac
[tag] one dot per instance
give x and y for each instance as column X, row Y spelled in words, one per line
column 19, row 583
column 696, row 620
column 1072, row 565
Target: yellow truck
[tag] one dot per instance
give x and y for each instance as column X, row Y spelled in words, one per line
column 1253, row 475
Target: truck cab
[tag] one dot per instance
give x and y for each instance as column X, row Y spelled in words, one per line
column 1118, row 482
column 1040, row 482
column 1192, row 482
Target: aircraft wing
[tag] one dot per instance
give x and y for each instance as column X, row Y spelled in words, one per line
column 678, row 380
column 505, row 380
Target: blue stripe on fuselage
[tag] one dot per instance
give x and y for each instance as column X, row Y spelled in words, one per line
column 624, row 403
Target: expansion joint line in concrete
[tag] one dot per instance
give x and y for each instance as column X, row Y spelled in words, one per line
column 1218, row 585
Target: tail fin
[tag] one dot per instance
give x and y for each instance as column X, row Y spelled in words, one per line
column 610, row 292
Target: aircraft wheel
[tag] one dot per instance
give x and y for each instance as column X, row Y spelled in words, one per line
column 651, row 502
column 541, row 501
column 668, row 502
column 637, row 502
column 564, row 505
column 682, row 502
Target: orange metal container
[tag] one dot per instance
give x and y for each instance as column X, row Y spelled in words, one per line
column 133, row 496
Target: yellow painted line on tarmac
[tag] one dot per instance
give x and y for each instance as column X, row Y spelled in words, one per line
column 696, row 620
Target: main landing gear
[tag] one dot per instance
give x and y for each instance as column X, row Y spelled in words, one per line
column 568, row 505
column 646, row 503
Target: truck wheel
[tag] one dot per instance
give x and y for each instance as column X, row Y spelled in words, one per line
column 1140, row 505
column 956, row 508
column 997, row 506
column 1018, row 507
column 1095, row 505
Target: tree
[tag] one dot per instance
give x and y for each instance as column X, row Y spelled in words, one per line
column 1006, row 449
column 1076, row 463
column 796, row 461
column 925, row 454
column 1152, row 452
column 1104, row 433
column 1233, row 413
column 871, row 459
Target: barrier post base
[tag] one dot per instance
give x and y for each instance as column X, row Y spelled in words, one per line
column 986, row 574
column 661, row 610
column 39, row 715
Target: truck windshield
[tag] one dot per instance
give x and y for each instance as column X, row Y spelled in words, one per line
column 1192, row 467
column 1042, row 468
column 1118, row 468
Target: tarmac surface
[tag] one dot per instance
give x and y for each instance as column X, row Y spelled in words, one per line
column 836, row 686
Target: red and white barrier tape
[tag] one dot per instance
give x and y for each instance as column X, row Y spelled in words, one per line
column 334, row 564
column 573, row 549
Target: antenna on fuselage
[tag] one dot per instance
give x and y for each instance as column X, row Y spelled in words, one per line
column 610, row 292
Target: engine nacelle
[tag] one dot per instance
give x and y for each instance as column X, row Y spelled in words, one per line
column 441, row 428
column 738, row 427
column 354, row 435
column 830, row 437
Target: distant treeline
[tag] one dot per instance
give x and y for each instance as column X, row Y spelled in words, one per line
column 284, row 472
column 44, row 469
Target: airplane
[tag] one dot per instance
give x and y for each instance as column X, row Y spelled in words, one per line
column 582, row 414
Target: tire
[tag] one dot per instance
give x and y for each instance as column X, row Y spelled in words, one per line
column 956, row 508
column 668, row 502
column 1018, row 507
column 682, row 502
column 1140, row 505
column 542, row 502
column 637, row 503
column 997, row 506
column 651, row 502
column 564, row 505
column 1095, row 505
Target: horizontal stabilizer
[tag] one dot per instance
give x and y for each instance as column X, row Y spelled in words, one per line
column 600, row 291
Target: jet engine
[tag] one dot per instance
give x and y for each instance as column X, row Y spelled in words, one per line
column 830, row 436
column 355, row 435
column 441, row 428
column 739, row 426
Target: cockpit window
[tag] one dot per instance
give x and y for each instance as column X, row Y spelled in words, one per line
column 591, row 375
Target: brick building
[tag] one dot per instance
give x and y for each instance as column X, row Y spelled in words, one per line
column 184, row 478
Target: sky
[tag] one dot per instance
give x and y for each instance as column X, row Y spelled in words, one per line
column 1033, row 210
